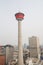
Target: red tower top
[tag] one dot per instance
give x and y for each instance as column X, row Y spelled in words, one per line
column 19, row 16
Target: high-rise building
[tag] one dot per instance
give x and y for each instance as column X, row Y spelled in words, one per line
column 9, row 53
column 34, row 47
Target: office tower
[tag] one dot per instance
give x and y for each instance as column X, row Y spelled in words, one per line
column 9, row 53
column 34, row 47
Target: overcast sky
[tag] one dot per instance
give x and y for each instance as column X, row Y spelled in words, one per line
column 32, row 25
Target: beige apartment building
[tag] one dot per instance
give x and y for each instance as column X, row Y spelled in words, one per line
column 9, row 53
column 34, row 47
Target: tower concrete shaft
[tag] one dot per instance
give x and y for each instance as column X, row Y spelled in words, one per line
column 20, row 53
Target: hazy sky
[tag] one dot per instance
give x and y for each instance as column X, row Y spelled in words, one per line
column 32, row 25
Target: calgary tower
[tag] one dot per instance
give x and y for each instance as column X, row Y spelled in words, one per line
column 19, row 17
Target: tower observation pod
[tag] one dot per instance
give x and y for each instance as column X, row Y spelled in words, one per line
column 19, row 17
